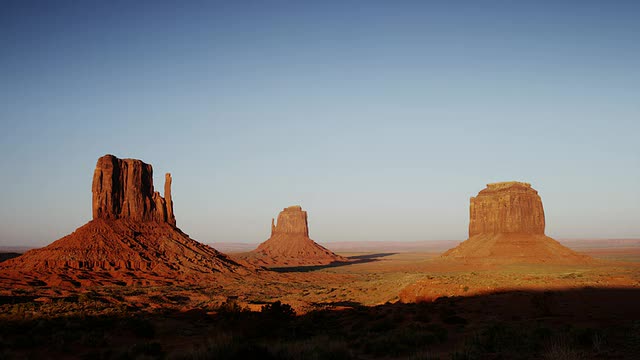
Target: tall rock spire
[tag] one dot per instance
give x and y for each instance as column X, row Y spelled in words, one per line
column 171, row 219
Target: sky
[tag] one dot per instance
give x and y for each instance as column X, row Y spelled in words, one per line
column 380, row 118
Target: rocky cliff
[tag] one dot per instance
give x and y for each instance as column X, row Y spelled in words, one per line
column 506, row 207
column 123, row 189
column 291, row 220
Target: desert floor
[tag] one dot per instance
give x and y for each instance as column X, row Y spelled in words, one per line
column 382, row 305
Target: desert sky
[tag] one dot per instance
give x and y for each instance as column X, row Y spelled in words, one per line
column 380, row 119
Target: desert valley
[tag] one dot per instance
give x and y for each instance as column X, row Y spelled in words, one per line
column 310, row 180
column 131, row 284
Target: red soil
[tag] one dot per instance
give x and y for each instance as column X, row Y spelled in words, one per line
column 108, row 251
column 505, row 248
column 283, row 250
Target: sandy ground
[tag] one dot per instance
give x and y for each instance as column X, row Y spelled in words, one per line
column 370, row 279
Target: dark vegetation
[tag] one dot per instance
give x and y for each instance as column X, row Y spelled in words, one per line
column 577, row 324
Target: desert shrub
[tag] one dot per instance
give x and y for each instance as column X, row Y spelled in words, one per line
column 382, row 325
column 224, row 346
column 403, row 340
column 315, row 348
column 455, row 320
column 495, row 338
column 518, row 342
column 543, row 303
column 146, row 350
column 423, row 355
column 584, row 336
column 93, row 338
column 141, row 327
column 230, row 306
column 278, row 310
column 465, row 353
column 439, row 333
column 230, row 310
column 561, row 348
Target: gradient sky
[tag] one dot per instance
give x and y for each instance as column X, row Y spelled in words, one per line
column 380, row 118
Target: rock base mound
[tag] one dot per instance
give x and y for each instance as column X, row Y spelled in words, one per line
column 514, row 248
column 122, row 251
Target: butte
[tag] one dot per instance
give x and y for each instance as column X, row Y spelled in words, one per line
column 290, row 245
column 132, row 239
column 506, row 226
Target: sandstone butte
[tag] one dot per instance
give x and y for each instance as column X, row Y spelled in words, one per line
column 132, row 239
column 290, row 245
column 506, row 225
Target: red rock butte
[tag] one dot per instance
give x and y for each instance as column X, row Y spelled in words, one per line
column 123, row 188
column 290, row 245
column 132, row 239
column 506, row 225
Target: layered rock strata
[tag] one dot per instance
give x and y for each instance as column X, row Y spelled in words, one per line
column 506, row 207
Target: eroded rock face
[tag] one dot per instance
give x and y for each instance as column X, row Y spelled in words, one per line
column 123, row 189
column 291, row 220
column 506, row 207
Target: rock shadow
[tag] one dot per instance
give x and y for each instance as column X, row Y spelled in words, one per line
column 579, row 323
column 358, row 259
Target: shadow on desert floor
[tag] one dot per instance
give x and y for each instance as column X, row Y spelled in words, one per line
column 358, row 259
column 601, row 323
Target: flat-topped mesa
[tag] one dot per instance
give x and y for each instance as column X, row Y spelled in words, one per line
column 291, row 220
column 123, row 188
column 506, row 226
column 506, row 207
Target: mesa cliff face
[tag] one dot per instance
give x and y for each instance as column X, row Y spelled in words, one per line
column 291, row 220
column 123, row 189
column 506, row 207
column 506, row 225
column 290, row 245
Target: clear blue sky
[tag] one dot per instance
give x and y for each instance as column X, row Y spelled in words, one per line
column 379, row 118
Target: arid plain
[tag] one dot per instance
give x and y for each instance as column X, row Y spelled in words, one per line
column 131, row 284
